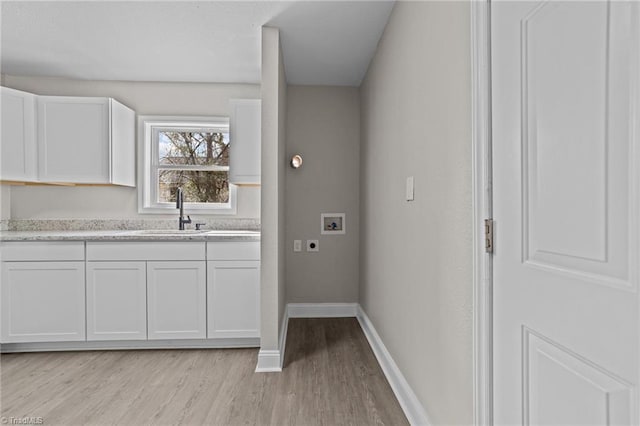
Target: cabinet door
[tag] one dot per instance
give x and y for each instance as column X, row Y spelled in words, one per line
column 123, row 145
column 116, row 301
column 245, row 134
column 176, row 298
column 42, row 302
column 73, row 139
column 19, row 154
column 233, row 298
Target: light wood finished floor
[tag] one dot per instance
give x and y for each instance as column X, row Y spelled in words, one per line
column 331, row 377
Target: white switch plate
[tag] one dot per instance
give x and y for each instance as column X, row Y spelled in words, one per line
column 409, row 189
column 312, row 245
column 297, row 245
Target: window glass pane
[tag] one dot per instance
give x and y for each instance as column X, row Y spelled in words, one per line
column 193, row 148
column 197, row 186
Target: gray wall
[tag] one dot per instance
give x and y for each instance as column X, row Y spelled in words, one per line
column 47, row 202
column 272, row 261
column 323, row 125
column 416, row 257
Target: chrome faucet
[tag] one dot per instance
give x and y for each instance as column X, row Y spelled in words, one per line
column 180, row 205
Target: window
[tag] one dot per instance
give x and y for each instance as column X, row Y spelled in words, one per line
column 191, row 153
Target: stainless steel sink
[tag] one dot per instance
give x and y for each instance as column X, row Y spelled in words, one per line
column 168, row 232
column 232, row 232
column 176, row 232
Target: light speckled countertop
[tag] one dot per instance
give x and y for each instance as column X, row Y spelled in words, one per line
column 131, row 235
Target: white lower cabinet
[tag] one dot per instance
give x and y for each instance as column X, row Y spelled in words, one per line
column 176, row 300
column 42, row 302
column 70, row 291
column 233, row 299
column 116, row 301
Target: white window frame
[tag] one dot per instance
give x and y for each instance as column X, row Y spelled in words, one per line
column 149, row 126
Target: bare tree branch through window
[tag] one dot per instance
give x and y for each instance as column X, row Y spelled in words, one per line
column 198, row 162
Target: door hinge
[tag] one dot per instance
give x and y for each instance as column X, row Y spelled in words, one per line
column 488, row 235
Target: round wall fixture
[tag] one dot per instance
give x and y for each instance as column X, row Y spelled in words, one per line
column 296, row 161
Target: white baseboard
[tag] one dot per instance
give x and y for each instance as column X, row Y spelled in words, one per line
column 268, row 361
column 322, row 310
column 413, row 409
column 272, row 361
column 131, row 345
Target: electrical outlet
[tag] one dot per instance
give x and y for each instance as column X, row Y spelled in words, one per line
column 297, row 245
column 312, row 245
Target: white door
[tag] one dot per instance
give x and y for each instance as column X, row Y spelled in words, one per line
column 42, row 301
column 116, row 301
column 176, row 298
column 566, row 130
column 233, row 298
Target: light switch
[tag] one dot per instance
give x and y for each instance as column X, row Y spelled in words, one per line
column 297, row 245
column 409, row 189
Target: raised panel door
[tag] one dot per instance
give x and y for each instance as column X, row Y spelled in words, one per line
column 566, row 176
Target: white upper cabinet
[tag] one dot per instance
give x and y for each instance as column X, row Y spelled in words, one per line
column 18, row 143
column 123, row 145
column 85, row 140
column 245, row 128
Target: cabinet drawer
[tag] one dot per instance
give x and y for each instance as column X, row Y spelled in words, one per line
column 232, row 250
column 138, row 250
column 41, row 250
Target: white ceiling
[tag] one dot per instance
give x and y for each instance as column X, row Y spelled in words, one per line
column 324, row 42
